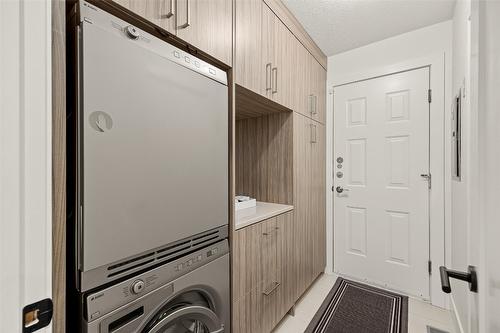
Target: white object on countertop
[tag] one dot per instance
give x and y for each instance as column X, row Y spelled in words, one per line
column 245, row 204
column 242, row 198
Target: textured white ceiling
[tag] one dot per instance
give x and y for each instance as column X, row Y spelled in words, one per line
column 341, row 25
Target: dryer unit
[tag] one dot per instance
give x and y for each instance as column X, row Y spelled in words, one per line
column 152, row 142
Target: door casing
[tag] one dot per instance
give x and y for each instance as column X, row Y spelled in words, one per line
column 26, row 159
column 440, row 148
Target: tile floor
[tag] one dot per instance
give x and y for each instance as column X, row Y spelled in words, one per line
column 420, row 313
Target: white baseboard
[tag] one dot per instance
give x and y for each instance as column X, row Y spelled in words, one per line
column 458, row 323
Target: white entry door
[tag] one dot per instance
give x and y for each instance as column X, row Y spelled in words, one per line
column 381, row 199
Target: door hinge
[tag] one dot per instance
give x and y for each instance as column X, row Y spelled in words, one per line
column 428, row 177
column 37, row 315
column 429, row 95
column 429, row 267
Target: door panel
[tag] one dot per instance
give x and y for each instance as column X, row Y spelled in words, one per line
column 302, row 170
column 286, row 265
column 318, row 197
column 207, row 25
column 317, row 82
column 159, row 12
column 309, row 200
column 267, row 52
column 248, row 63
column 382, row 217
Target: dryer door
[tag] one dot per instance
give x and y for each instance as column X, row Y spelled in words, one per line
column 188, row 313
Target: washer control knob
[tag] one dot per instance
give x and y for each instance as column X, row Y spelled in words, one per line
column 137, row 287
column 132, row 32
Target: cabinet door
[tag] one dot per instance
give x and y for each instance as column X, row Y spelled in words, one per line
column 284, row 60
column 159, row 12
column 318, row 197
column 318, row 90
column 247, row 269
column 300, row 72
column 286, row 263
column 268, row 253
column 248, row 312
column 267, row 51
column 302, row 193
column 207, row 25
column 248, row 64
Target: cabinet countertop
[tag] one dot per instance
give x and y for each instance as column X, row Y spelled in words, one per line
column 263, row 211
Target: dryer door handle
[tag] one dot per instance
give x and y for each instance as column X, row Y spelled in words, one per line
column 195, row 312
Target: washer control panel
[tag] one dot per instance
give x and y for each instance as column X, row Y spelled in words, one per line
column 102, row 302
column 137, row 287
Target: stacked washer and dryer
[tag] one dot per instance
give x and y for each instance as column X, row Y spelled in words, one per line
column 152, row 183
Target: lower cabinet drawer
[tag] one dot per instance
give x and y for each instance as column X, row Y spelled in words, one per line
column 258, row 311
column 264, row 283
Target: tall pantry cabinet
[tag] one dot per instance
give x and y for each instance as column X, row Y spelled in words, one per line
column 279, row 94
column 272, row 62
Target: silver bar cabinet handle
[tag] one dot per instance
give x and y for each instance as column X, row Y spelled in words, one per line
column 269, row 292
column 314, row 102
column 275, row 71
column 188, row 14
column 172, row 10
column 314, row 138
column 268, row 76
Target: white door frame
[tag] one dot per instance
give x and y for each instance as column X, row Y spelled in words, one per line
column 25, row 158
column 439, row 163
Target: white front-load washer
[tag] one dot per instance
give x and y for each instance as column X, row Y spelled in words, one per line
column 188, row 295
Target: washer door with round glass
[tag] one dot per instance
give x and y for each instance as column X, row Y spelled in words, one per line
column 189, row 312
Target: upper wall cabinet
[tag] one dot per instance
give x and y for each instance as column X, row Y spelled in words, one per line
column 317, row 86
column 248, row 44
column 310, row 80
column 205, row 24
column 276, row 66
column 272, row 62
column 160, row 12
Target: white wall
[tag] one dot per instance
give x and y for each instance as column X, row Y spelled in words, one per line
column 415, row 44
column 422, row 43
column 460, row 190
column 489, row 160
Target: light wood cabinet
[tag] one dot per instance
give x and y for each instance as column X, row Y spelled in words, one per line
column 258, row 307
column 205, row 24
column 318, row 197
column 309, row 197
column 159, row 12
column 309, row 79
column 270, row 68
column 248, row 44
column 264, row 52
column 317, row 88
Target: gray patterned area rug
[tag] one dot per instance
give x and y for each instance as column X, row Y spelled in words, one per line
column 353, row 307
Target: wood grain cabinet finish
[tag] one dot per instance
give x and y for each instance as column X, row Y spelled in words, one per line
column 205, row 24
column 264, row 52
column 309, row 200
column 160, row 12
column 258, row 306
column 317, row 88
column 248, row 44
column 309, row 79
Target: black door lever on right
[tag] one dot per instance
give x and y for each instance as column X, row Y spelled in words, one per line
column 470, row 277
